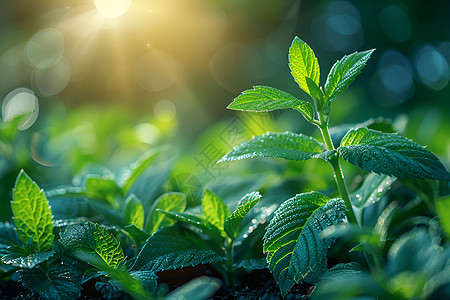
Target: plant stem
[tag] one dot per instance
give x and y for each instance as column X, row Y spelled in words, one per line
column 230, row 261
column 374, row 264
column 338, row 176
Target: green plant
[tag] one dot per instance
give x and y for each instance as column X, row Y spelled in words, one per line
column 180, row 246
column 296, row 251
column 56, row 257
column 125, row 200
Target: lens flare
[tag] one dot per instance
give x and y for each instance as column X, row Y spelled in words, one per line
column 109, row 9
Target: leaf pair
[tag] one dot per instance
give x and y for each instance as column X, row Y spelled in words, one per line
column 374, row 151
column 306, row 72
column 216, row 220
column 133, row 212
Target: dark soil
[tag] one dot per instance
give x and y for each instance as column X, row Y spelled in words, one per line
column 258, row 284
column 12, row 290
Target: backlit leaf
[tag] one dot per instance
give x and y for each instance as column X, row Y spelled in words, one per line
column 133, row 212
column 286, row 145
column 303, row 63
column 137, row 235
column 215, row 210
column 138, row 167
column 242, row 208
column 32, row 214
column 264, row 98
column 344, row 72
column 390, row 154
column 93, row 243
column 315, row 93
column 173, row 202
column 292, row 242
column 101, row 188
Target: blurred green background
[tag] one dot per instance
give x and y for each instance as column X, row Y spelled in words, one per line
column 102, row 81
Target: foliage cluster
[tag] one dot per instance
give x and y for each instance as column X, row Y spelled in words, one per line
column 118, row 232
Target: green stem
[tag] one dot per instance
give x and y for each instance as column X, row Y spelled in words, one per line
column 230, row 261
column 338, row 176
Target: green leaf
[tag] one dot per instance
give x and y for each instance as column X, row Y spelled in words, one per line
column 417, row 265
column 242, row 208
column 137, row 284
column 32, row 214
column 93, row 243
column 374, row 186
column 292, row 243
column 58, row 283
column 157, row 174
column 8, row 237
column 133, row 211
column 197, row 222
column 147, row 279
column 101, row 188
column 443, row 209
column 201, row 288
column 136, row 234
column 172, row 248
column 303, row 63
column 215, row 210
column 29, row 261
column 137, row 168
column 286, row 145
column 343, row 269
column 370, row 240
column 315, row 93
column 344, row 72
column 264, row 98
column 347, row 281
column 251, row 264
column 173, row 202
column 390, row 154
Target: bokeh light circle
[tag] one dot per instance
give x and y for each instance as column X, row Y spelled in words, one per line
column 45, row 48
column 395, row 73
column 165, row 111
column 51, row 81
column 155, row 71
column 431, row 66
column 21, row 101
column 339, row 27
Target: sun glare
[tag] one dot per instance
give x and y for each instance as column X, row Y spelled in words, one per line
column 109, row 9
